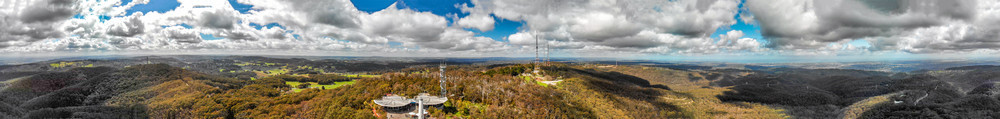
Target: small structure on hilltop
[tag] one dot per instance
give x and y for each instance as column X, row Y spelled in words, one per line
column 398, row 107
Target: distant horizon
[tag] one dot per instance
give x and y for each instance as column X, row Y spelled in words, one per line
column 674, row 59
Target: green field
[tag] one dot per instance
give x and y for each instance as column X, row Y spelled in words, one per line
column 314, row 85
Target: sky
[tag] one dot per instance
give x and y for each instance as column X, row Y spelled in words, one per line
column 689, row 30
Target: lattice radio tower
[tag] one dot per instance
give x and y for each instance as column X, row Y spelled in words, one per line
column 536, row 48
column 547, row 52
column 536, row 63
column 444, row 93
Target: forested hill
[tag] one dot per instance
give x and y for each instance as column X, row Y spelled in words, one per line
column 102, row 92
column 162, row 91
column 505, row 91
column 961, row 92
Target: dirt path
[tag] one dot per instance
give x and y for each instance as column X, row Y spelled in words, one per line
column 552, row 82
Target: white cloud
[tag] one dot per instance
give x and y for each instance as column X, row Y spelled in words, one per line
column 610, row 24
column 913, row 26
column 481, row 22
column 127, row 27
column 25, row 22
column 522, row 38
column 181, row 34
column 405, row 25
column 581, row 27
column 616, row 24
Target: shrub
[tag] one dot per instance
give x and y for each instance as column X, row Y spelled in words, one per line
column 303, row 85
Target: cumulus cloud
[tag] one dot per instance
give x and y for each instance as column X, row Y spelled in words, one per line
column 977, row 33
column 593, row 26
column 641, row 40
column 26, row 21
column 522, row 38
column 239, row 35
column 616, row 24
column 811, row 24
column 19, row 34
column 218, row 19
column 49, row 11
column 405, row 25
column 127, row 27
column 182, row 35
column 478, row 21
column 340, row 13
column 598, row 27
column 620, row 25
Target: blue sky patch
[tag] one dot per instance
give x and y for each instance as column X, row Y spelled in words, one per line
column 437, row 7
column 860, row 43
column 502, row 27
column 124, row 2
column 243, row 8
column 209, row 36
column 104, row 18
column 78, row 16
column 395, row 44
column 269, row 25
column 182, row 25
column 372, row 6
column 750, row 30
column 153, row 5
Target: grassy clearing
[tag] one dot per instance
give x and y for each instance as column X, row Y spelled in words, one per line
column 542, row 84
column 529, row 79
column 316, row 85
column 855, row 110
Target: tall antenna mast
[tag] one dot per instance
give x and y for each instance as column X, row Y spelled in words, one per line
column 536, row 47
column 443, row 78
column 536, row 55
column 547, row 52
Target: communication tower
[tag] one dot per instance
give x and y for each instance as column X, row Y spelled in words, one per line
column 536, row 55
column 444, row 93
